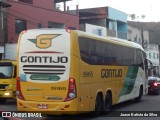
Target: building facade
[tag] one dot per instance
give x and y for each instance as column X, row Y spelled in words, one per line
column 153, row 55
column 3, row 25
column 112, row 19
column 30, row 14
column 135, row 35
column 152, row 50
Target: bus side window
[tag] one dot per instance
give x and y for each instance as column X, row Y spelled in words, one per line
column 15, row 72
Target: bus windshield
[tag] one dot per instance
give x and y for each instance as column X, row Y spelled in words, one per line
column 6, row 71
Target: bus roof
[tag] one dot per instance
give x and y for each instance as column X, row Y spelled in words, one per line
column 113, row 40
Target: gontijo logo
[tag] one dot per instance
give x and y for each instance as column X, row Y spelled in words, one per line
column 44, row 41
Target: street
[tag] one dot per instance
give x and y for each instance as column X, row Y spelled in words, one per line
column 149, row 104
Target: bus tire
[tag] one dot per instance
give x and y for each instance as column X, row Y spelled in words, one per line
column 107, row 104
column 139, row 98
column 98, row 106
column 3, row 100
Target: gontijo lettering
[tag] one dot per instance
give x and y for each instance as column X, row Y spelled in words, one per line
column 44, row 59
column 111, row 73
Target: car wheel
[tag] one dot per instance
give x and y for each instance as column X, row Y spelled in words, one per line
column 139, row 98
column 157, row 93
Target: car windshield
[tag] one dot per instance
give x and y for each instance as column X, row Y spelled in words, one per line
column 5, row 71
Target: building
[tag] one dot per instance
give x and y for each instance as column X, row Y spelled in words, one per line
column 3, row 26
column 30, row 14
column 152, row 50
column 152, row 27
column 153, row 55
column 135, row 35
column 114, row 21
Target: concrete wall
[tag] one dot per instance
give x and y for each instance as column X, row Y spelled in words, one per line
column 134, row 35
column 120, row 19
column 94, row 29
column 10, row 51
column 153, row 51
column 117, row 15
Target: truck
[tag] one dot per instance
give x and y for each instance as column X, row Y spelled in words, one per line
column 7, row 80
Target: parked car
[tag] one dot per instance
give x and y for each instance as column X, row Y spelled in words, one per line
column 153, row 85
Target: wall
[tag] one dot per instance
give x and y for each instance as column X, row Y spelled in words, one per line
column 118, row 20
column 34, row 15
column 49, row 4
column 117, row 15
column 134, row 35
column 10, row 51
column 94, row 29
column 135, row 32
column 153, row 49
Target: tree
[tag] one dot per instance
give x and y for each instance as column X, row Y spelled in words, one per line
column 133, row 16
column 143, row 16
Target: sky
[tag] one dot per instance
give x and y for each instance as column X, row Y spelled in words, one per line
column 149, row 8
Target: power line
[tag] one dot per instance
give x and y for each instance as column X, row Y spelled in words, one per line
column 28, row 16
column 31, row 22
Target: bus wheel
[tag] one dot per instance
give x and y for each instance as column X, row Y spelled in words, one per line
column 139, row 98
column 107, row 104
column 98, row 106
column 2, row 100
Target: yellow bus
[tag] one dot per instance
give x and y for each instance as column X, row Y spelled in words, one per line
column 70, row 71
column 7, row 80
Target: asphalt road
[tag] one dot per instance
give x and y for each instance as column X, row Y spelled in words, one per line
column 150, row 105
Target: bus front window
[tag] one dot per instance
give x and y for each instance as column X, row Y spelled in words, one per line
column 5, row 71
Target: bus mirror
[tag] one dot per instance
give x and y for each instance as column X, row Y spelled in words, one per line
column 149, row 63
column 149, row 68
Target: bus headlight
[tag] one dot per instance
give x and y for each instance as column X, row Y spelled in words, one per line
column 6, row 94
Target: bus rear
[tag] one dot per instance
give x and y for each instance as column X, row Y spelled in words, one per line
column 44, row 82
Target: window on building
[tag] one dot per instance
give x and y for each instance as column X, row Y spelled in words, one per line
column 26, row 1
column 154, row 56
column 149, row 55
column 99, row 32
column 39, row 25
column 59, row 6
column 157, row 56
column 20, row 25
column 135, row 38
column 72, row 28
column 55, row 25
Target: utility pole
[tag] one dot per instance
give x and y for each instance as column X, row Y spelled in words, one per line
column 142, row 37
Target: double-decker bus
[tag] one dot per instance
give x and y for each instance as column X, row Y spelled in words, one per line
column 70, row 71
